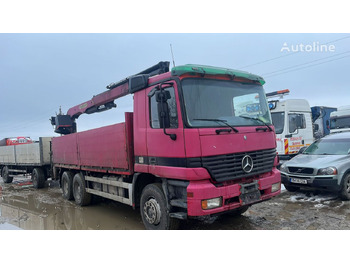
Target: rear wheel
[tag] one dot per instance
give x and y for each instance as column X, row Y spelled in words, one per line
column 67, row 185
column 81, row 197
column 38, row 177
column 153, row 207
column 6, row 175
column 345, row 188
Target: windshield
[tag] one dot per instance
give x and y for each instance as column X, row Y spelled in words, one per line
column 340, row 122
column 329, row 147
column 237, row 104
column 278, row 121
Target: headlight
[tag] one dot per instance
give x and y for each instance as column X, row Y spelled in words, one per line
column 327, row 171
column 284, row 168
column 275, row 187
column 211, row 203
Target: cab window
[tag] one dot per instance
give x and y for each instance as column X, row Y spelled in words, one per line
column 296, row 121
column 155, row 120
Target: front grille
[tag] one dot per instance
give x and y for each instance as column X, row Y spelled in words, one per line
column 300, row 170
column 227, row 167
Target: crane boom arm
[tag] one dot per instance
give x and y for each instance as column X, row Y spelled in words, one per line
column 65, row 124
column 100, row 102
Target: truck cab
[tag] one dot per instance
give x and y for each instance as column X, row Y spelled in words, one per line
column 211, row 129
column 321, row 120
column 293, row 126
column 340, row 120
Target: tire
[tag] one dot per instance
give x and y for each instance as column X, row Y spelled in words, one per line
column 291, row 188
column 81, row 197
column 345, row 187
column 153, row 208
column 67, row 185
column 38, row 178
column 6, row 175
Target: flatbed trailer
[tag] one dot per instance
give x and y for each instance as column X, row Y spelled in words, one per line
column 34, row 159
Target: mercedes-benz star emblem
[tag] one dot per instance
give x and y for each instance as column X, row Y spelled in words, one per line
column 247, row 164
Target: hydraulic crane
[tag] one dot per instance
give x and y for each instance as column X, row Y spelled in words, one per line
column 65, row 123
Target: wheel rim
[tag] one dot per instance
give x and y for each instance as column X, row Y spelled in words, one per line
column 35, row 178
column 65, row 186
column 77, row 189
column 151, row 210
column 5, row 173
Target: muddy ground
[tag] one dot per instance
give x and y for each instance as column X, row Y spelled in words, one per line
column 23, row 207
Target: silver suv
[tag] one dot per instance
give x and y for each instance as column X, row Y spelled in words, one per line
column 325, row 165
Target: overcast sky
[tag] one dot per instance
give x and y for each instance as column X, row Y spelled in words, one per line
column 41, row 72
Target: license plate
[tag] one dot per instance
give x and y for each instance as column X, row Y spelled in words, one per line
column 249, row 198
column 298, row 181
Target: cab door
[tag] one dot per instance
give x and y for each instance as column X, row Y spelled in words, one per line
column 165, row 136
column 300, row 131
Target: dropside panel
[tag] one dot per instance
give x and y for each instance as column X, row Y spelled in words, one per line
column 104, row 147
column 28, row 154
column 7, row 155
column 64, row 150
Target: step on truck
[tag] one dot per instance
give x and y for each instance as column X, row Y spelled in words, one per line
column 199, row 142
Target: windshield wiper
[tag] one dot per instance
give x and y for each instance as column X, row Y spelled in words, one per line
column 218, row 120
column 257, row 119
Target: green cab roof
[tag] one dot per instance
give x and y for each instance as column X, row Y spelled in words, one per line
column 210, row 70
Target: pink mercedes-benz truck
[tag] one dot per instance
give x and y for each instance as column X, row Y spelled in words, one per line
column 199, row 142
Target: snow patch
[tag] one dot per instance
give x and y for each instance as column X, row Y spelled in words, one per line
column 319, row 205
column 310, row 197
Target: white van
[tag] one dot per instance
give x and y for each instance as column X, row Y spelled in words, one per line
column 340, row 119
column 293, row 126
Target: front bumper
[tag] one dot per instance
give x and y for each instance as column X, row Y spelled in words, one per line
column 329, row 183
column 204, row 189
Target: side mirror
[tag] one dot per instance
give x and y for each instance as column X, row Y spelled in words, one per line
column 301, row 150
column 162, row 97
column 316, row 127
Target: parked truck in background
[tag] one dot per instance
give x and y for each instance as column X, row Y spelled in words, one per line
column 27, row 158
column 293, row 124
column 20, row 140
column 340, row 119
column 199, row 142
column 321, row 116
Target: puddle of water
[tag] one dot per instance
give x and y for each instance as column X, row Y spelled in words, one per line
column 27, row 208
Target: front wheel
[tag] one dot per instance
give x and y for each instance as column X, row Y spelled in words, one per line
column 153, row 207
column 345, row 188
column 38, row 177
